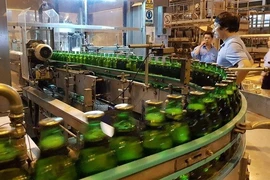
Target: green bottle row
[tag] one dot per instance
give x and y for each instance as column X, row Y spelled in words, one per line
column 162, row 128
column 202, row 73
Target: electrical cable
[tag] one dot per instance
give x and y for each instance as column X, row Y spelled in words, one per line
column 130, row 83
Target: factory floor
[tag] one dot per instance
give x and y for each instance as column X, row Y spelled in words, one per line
column 258, row 148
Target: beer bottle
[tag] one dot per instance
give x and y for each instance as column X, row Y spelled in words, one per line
column 184, row 177
column 155, row 137
column 152, row 66
column 195, row 71
column 196, row 116
column 223, row 102
column 177, row 127
column 211, row 107
column 235, row 91
column 160, row 67
column 9, row 158
column 232, row 96
column 167, row 67
column 126, row 142
column 54, row 162
column 153, row 114
column 95, row 156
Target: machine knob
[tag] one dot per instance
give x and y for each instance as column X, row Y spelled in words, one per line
column 43, row 52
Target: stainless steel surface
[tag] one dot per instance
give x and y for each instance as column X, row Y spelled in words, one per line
column 71, row 116
column 4, row 44
column 77, row 78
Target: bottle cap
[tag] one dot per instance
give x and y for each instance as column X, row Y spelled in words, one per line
column 94, row 114
column 231, row 78
column 227, row 81
column 123, row 107
column 51, row 121
column 208, row 88
column 221, row 85
column 5, row 132
column 174, row 96
column 153, row 102
column 196, row 93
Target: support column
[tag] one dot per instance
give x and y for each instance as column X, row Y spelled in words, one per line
column 4, row 46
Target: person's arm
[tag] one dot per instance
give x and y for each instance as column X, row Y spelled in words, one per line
column 245, row 63
column 196, row 52
column 237, row 55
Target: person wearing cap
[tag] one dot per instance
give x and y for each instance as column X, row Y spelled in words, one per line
column 206, row 52
column 232, row 52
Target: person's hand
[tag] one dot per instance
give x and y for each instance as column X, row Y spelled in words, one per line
column 202, row 43
column 261, row 79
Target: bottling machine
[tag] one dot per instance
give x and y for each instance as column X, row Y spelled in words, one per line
column 63, row 76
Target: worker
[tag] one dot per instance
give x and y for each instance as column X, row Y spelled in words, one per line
column 265, row 76
column 233, row 52
column 206, row 52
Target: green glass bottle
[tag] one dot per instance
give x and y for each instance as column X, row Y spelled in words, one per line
column 218, row 72
column 156, row 137
column 194, row 71
column 133, row 60
column 232, row 96
column 128, row 64
column 211, row 107
column 153, row 114
column 140, row 64
column 184, row 177
column 54, row 162
column 95, row 157
column 167, row 71
column 212, row 77
column 174, row 109
column 177, row 127
column 203, row 74
column 152, row 66
column 202, row 172
column 196, row 116
column 216, row 75
column 176, row 69
column 223, row 102
column 159, row 66
column 114, row 61
column 9, row 158
column 126, row 142
column 235, row 91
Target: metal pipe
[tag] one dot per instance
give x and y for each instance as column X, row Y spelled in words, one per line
column 146, row 69
column 16, row 116
column 145, row 45
column 16, row 106
column 68, row 131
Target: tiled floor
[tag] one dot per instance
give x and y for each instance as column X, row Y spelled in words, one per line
column 258, row 147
